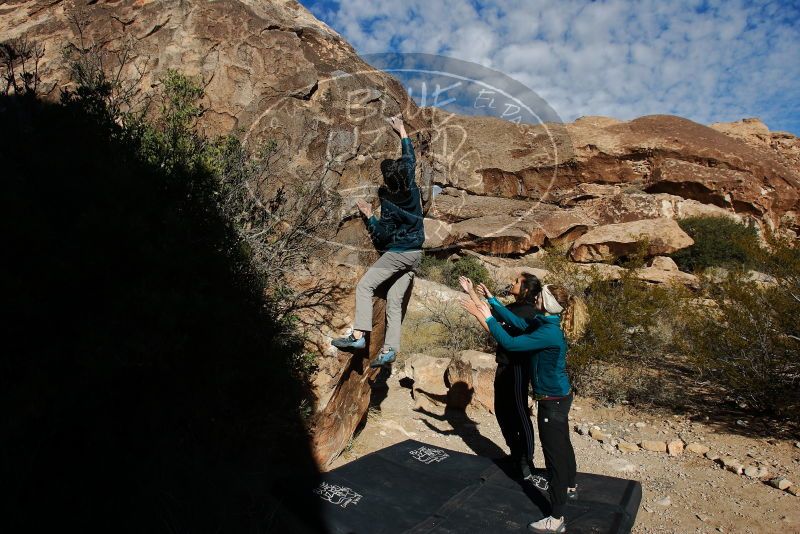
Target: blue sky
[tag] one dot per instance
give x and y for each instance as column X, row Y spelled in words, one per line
column 709, row 61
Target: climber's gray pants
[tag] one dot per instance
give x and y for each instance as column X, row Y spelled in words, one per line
column 398, row 268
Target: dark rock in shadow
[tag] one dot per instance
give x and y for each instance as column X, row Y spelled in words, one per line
column 145, row 386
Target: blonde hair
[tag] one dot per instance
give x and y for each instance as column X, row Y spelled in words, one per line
column 574, row 317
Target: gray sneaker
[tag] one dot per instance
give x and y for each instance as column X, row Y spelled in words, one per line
column 548, row 525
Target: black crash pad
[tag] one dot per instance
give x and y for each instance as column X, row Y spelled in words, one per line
column 413, row 487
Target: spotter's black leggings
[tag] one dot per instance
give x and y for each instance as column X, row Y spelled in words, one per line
column 559, row 456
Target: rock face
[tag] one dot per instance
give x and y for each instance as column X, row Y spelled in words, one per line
column 470, row 377
column 607, row 243
column 429, row 389
column 274, row 72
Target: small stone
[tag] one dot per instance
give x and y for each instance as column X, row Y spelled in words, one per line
column 599, row 435
column 624, row 446
column 741, row 422
column 735, row 468
column 648, row 509
column 697, row 448
column 640, row 425
column 653, row 446
column 583, row 430
column 781, row 483
column 797, row 444
column 664, row 501
column 756, row 472
column 794, row 490
column 675, row 447
column 701, row 517
column 731, row 464
column 713, row 456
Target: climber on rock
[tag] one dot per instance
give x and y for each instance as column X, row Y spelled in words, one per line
column 399, row 235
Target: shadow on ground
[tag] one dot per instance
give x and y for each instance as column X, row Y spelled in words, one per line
column 145, row 386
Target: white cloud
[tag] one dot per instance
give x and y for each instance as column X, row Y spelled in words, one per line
column 623, row 58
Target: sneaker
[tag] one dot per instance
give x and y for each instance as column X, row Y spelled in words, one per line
column 383, row 358
column 548, row 524
column 350, row 342
column 572, row 493
column 538, row 481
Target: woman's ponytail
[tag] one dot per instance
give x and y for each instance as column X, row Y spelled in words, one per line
column 574, row 316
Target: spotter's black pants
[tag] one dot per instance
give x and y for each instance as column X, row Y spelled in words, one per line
column 559, row 456
column 511, row 409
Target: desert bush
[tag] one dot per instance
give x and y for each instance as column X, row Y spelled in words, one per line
column 631, row 325
column 748, row 342
column 19, row 66
column 718, row 242
column 443, row 329
column 447, row 272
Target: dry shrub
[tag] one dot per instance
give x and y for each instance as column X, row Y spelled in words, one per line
column 748, row 345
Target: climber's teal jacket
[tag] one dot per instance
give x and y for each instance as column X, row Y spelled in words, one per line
column 545, row 339
column 400, row 227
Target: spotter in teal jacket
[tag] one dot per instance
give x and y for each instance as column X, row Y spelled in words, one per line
column 545, row 339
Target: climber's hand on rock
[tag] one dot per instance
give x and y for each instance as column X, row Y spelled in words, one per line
column 364, row 208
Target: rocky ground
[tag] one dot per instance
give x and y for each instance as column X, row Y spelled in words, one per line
column 684, row 492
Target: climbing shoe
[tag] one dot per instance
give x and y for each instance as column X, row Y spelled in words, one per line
column 349, row 342
column 383, row 358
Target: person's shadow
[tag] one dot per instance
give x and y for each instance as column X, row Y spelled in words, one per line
column 467, row 429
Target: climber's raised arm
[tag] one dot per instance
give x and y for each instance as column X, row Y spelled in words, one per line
column 407, row 160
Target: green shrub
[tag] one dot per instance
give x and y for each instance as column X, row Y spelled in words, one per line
column 432, row 268
column 747, row 342
column 630, row 326
column 447, row 272
column 471, row 268
column 718, row 242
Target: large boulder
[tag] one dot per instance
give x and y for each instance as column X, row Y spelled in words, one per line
column 470, row 379
column 610, row 242
column 496, row 158
column 634, row 206
column 428, row 374
column 633, row 151
column 455, row 205
column 727, row 188
column 499, row 234
column 508, row 234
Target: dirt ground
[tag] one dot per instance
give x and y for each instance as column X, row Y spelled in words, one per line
column 687, row 493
